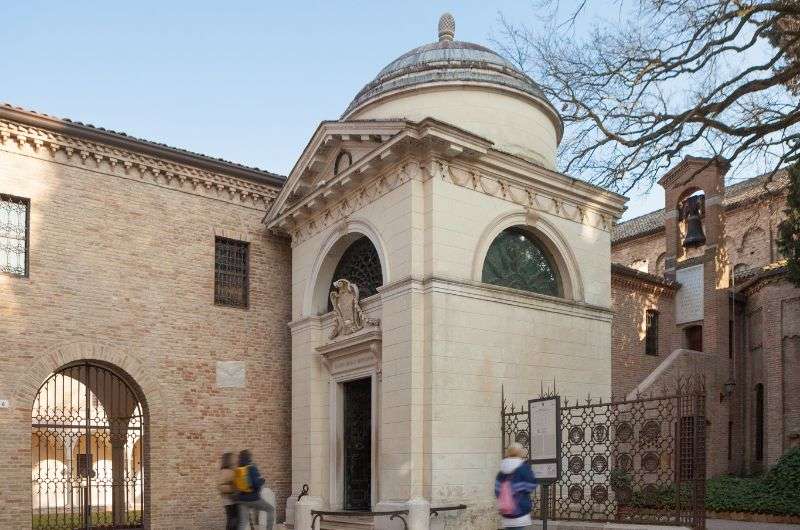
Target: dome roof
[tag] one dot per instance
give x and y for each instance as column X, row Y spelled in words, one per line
column 445, row 61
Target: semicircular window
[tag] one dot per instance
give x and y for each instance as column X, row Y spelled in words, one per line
column 360, row 265
column 516, row 259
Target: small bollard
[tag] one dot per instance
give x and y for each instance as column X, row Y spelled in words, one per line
column 419, row 514
column 302, row 512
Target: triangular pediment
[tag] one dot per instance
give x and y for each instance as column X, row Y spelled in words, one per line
column 334, row 149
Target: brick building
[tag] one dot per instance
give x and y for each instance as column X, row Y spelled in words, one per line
column 121, row 239
column 726, row 298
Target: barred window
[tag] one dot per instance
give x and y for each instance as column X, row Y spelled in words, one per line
column 14, row 222
column 231, row 272
column 651, row 332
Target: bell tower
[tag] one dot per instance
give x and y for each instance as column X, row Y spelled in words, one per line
column 697, row 259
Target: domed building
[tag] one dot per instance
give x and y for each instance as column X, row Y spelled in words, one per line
column 468, row 85
column 437, row 259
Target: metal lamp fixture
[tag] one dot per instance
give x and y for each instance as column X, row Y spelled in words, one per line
column 729, row 386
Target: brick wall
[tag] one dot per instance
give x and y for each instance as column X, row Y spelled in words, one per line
column 122, row 271
column 773, row 328
column 747, row 234
column 630, row 301
column 649, row 248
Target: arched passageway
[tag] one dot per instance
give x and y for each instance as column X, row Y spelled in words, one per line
column 87, row 469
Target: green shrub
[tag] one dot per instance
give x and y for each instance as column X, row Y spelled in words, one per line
column 732, row 494
column 777, row 492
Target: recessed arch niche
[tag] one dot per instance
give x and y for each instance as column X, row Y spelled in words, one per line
column 355, row 233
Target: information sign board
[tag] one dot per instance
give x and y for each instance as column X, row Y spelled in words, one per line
column 544, row 420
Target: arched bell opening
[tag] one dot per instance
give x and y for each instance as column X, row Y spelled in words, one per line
column 691, row 208
column 88, row 424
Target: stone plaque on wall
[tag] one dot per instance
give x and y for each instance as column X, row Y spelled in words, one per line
column 230, row 374
column 689, row 298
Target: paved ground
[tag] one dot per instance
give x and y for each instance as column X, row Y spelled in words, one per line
column 719, row 524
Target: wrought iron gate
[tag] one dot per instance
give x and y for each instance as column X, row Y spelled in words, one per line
column 633, row 461
column 87, row 461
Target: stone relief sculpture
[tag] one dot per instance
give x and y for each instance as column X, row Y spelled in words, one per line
column 350, row 317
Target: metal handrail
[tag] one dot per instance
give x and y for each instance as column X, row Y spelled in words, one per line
column 435, row 511
column 392, row 515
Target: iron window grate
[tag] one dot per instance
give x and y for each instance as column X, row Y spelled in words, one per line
column 14, row 234
column 651, row 332
column 231, row 272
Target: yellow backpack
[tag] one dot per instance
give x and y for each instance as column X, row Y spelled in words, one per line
column 241, row 479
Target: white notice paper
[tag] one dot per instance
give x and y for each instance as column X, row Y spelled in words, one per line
column 544, row 438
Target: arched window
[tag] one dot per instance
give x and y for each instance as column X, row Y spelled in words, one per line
column 518, row 260
column 759, row 413
column 79, row 410
column 361, row 266
column 660, row 264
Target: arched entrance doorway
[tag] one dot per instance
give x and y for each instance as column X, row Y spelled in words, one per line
column 87, row 427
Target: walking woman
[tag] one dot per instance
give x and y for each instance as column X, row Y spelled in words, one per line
column 513, row 487
column 228, row 492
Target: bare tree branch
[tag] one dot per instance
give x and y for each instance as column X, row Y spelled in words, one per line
column 669, row 78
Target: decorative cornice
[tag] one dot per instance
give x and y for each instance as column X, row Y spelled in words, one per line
column 50, row 145
column 356, row 199
column 674, row 177
column 523, row 194
column 494, row 185
column 493, row 293
column 438, row 146
column 771, row 274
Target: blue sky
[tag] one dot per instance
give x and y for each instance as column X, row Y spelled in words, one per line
column 245, row 81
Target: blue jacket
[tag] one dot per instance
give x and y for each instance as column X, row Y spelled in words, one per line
column 257, row 481
column 523, row 482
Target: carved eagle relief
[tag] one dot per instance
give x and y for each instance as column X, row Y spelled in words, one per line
column 350, row 317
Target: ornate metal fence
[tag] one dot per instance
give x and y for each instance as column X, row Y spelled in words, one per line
column 632, row 461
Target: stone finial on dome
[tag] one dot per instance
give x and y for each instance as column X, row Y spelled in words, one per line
column 447, row 27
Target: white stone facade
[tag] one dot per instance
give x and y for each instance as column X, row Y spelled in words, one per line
column 438, row 166
column 448, row 343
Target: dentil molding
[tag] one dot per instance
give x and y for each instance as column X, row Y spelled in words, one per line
column 45, row 144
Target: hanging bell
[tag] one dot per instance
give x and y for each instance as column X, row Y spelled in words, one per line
column 693, row 215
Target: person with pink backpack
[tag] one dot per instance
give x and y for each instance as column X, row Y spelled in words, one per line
column 513, row 487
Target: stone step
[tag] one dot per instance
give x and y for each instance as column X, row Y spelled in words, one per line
column 337, row 524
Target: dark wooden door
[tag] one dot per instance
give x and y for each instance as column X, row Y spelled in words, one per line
column 358, row 445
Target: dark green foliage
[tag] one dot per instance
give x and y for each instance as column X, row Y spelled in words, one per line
column 789, row 229
column 619, row 479
column 663, row 497
column 776, row 493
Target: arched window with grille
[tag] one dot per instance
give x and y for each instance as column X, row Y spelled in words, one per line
column 360, row 265
column 517, row 259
